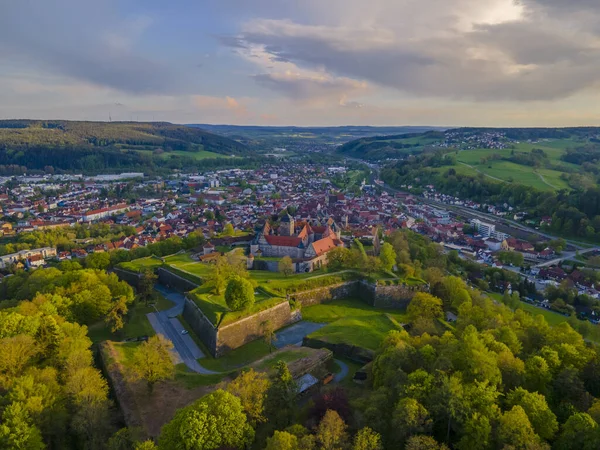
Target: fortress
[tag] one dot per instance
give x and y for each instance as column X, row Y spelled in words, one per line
column 307, row 247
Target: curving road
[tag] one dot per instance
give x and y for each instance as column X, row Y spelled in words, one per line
column 167, row 324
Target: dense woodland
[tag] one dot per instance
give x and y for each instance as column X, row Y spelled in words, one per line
column 497, row 378
column 99, row 146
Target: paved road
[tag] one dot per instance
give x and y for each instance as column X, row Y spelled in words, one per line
column 294, row 334
column 343, row 372
column 167, row 324
column 565, row 256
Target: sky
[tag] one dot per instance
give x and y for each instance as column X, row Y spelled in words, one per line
column 303, row 62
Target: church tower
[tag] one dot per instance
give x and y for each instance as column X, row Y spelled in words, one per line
column 287, row 226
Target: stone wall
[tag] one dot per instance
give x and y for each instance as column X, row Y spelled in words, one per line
column 199, row 323
column 271, row 266
column 174, row 281
column 395, row 297
column 250, row 328
column 325, row 294
column 352, row 352
column 131, row 278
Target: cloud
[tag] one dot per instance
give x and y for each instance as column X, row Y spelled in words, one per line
column 493, row 50
column 83, row 40
column 221, row 104
column 306, row 87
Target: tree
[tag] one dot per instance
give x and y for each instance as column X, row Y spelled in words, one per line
column 515, row 430
column 215, row 421
column 281, row 397
column 286, row 266
column 152, row 361
column 16, row 430
column 99, row 261
column 579, row 432
column 15, row 354
column 477, row 433
column 282, row 440
column 537, row 374
column 114, row 318
column 331, row 432
column 146, row 285
column 228, row 229
column 387, row 256
column 454, row 292
column 424, row 306
column 251, row 388
column 409, row 417
column 540, row 415
column 239, row 294
column 367, row 439
column 423, row 443
column 146, row 445
column 269, row 334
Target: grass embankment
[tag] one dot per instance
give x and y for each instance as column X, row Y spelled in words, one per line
column 141, row 264
column 353, row 322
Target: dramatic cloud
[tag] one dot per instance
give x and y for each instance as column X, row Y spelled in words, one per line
column 520, row 52
column 308, row 62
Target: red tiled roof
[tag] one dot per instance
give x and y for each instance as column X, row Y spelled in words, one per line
column 283, row 241
column 324, row 245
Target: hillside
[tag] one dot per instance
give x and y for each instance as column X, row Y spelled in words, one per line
column 289, row 136
column 394, row 146
column 94, row 146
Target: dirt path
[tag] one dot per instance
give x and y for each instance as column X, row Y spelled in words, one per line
column 483, row 173
column 544, row 180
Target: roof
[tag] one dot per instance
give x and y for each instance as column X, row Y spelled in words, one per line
column 305, row 382
column 284, row 241
column 324, row 245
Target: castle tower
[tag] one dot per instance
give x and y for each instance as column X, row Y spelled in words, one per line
column 287, row 226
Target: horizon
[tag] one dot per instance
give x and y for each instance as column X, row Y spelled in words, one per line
column 492, row 63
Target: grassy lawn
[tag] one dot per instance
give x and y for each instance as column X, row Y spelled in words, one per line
column 353, row 322
column 190, row 380
column 365, row 332
column 199, row 155
column 216, row 310
column 136, row 324
column 286, row 356
column 237, row 358
column 142, row 264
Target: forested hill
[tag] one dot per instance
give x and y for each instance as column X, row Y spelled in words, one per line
column 383, row 147
column 96, row 146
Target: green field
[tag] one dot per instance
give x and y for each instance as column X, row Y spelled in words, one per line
column 353, row 322
column 539, row 178
column 141, row 264
column 196, row 155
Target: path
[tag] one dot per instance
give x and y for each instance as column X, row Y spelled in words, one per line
column 544, row 180
column 483, row 173
column 294, row 334
column 343, row 373
column 167, row 324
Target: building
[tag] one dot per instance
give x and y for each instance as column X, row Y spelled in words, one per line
column 36, row 256
column 103, row 213
column 307, row 247
column 488, row 230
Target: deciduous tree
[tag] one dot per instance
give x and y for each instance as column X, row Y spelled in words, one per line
column 251, row 388
column 152, row 361
column 239, row 293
